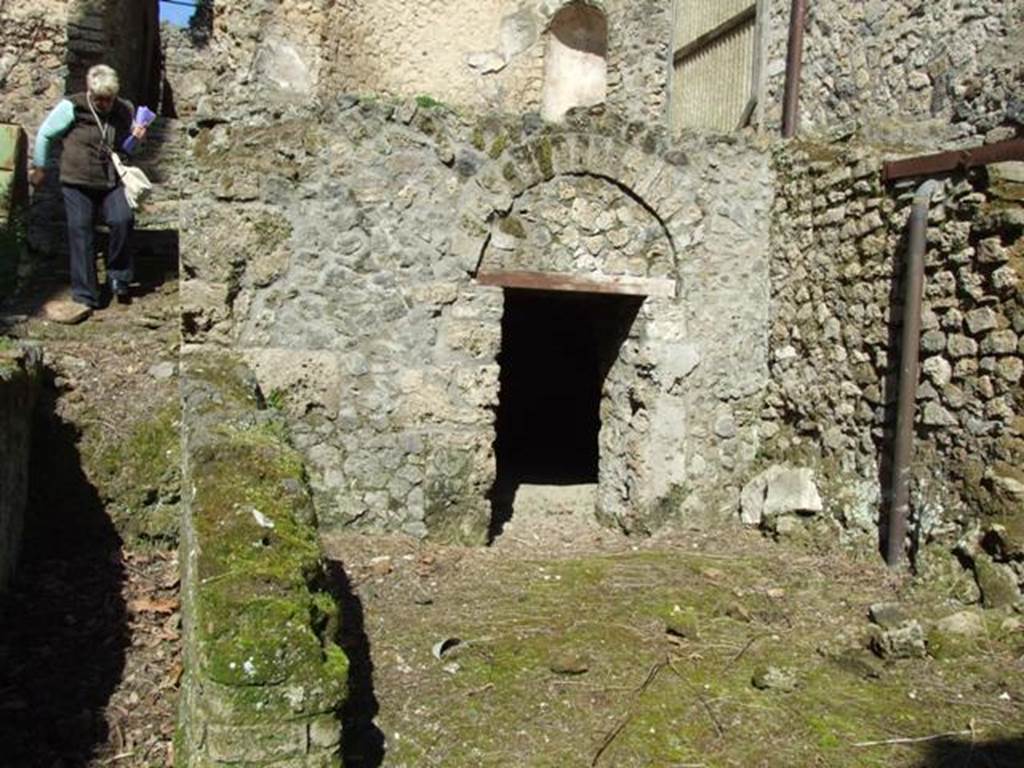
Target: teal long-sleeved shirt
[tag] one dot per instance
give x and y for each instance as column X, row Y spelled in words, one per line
column 55, row 126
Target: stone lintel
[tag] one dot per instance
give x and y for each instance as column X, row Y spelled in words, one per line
column 623, row 285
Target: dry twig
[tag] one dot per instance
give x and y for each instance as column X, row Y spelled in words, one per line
column 743, row 650
column 700, row 697
column 913, row 740
column 651, row 676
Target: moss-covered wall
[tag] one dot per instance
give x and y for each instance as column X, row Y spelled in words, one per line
column 264, row 679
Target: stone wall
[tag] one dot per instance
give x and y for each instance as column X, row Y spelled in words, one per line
column 478, row 55
column 20, row 373
column 188, row 70
column 125, row 34
column 904, row 72
column 338, row 252
column 47, row 46
column 264, row 678
column 33, row 66
column 839, row 243
column 45, row 50
column 33, row 75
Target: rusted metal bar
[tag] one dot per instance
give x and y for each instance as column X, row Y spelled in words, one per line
column 910, row 347
column 622, row 285
column 794, row 68
column 724, row 29
column 944, row 162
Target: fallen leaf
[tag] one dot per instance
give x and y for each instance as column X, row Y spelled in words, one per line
column 154, row 605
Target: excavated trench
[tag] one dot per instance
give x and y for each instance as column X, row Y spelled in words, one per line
column 89, row 630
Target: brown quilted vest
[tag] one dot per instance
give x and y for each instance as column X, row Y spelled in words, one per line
column 85, row 160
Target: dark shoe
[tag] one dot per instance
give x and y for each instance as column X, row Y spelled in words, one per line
column 120, row 290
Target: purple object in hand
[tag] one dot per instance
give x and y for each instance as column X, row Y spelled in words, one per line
column 143, row 116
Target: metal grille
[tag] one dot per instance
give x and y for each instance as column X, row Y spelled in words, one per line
column 713, row 63
column 695, row 17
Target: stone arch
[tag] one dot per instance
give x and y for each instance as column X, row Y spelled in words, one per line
column 581, row 224
column 643, row 416
column 575, row 60
column 650, row 184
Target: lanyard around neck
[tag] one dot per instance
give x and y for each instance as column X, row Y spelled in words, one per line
column 99, row 123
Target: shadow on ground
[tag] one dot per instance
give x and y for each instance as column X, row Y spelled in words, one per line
column 63, row 626
column 960, row 753
column 156, row 262
column 362, row 740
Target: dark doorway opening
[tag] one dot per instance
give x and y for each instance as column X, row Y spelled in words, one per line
column 557, row 348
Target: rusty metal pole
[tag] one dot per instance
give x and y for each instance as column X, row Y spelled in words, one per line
column 794, row 69
column 910, row 344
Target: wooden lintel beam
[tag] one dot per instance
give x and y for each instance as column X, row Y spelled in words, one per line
column 622, row 285
column 956, row 160
column 722, row 30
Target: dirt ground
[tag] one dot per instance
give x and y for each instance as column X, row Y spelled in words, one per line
column 564, row 644
column 89, row 633
column 568, row 645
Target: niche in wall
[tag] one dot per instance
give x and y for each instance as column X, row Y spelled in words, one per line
column 576, row 61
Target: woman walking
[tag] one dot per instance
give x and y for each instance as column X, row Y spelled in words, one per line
column 93, row 125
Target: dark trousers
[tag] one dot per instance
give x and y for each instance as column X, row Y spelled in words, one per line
column 80, row 204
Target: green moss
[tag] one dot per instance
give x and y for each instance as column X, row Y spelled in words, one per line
column 261, row 638
column 702, row 708
column 315, row 139
column 682, row 622
column 944, row 645
column 140, row 477
column 544, row 156
column 498, row 146
column 982, row 489
column 1007, row 533
column 276, row 399
column 424, row 101
column 818, row 152
column 229, row 385
column 243, row 653
column 512, row 225
column 242, row 487
column 477, row 139
column 272, row 230
column 997, row 582
column 509, row 172
column 10, row 355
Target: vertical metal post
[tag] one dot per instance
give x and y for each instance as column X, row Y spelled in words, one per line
column 794, row 68
column 910, row 344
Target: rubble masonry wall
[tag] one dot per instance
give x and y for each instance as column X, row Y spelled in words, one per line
column 339, row 256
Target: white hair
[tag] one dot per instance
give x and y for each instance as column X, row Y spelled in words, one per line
column 102, row 81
